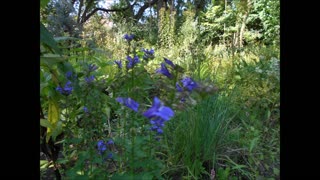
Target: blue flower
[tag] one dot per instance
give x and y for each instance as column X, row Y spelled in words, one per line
column 66, row 90
column 92, row 67
column 148, row 54
column 146, row 51
column 130, row 103
column 110, row 155
column 119, row 63
column 157, row 125
column 132, row 62
column 159, row 110
column 128, row 37
column 85, row 109
column 110, row 142
column 89, row 79
column 169, row 62
column 101, row 146
column 68, row 74
column 178, row 87
column 189, row 83
column 163, row 70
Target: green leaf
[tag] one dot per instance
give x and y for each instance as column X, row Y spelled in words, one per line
column 253, row 143
column 53, row 116
column 57, row 130
column 51, row 59
column 47, row 39
column 237, row 77
column 64, row 38
column 45, row 123
column 43, row 3
column 43, row 164
column 276, row 171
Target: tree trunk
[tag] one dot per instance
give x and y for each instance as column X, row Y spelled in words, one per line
column 244, row 21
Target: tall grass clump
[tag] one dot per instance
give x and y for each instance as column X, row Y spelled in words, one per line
column 195, row 138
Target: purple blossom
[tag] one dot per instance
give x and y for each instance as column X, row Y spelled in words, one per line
column 119, row 63
column 110, row 142
column 110, row 155
column 66, row 90
column 92, row 67
column 169, row 62
column 68, row 74
column 189, row 83
column 158, row 110
column 85, row 109
column 130, row 103
column 101, row 146
column 157, row 125
column 89, row 79
column 163, row 70
column 128, row 37
column 178, row 87
column 132, row 62
column 150, row 52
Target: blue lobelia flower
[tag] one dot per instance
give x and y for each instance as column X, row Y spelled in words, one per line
column 85, row 109
column 110, row 142
column 101, row 146
column 119, row 63
column 159, row 110
column 132, row 62
column 163, row 70
column 68, row 74
column 169, row 62
column 130, row 103
column 128, row 37
column 110, row 155
column 189, row 83
column 92, row 67
column 89, row 79
column 178, row 87
column 150, row 52
column 66, row 90
column 157, row 125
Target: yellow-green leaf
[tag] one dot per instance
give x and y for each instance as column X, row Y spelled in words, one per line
column 53, row 116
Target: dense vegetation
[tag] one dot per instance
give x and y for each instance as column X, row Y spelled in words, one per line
column 160, row 89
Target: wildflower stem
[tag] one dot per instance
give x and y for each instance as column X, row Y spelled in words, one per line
column 132, row 149
column 173, row 95
column 132, row 82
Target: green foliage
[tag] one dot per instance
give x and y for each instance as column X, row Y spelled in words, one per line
column 47, row 40
column 232, row 134
column 267, row 14
column 166, row 29
column 61, row 20
column 218, row 23
column 195, row 137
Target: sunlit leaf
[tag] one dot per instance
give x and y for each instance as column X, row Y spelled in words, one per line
column 53, row 116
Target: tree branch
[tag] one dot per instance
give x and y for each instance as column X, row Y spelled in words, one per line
column 102, row 9
column 79, row 11
column 143, row 8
